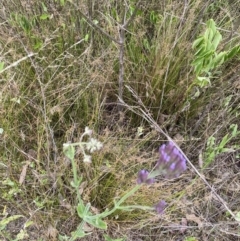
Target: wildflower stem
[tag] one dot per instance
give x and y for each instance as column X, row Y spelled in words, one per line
column 132, row 207
column 127, row 195
column 76, row 181
column 117, row 204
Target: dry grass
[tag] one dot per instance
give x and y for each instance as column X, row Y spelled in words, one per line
column 56, row 83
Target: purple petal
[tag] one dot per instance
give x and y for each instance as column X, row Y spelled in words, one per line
column 143, row 177
column 162, row 147
column 171, row 160
column 159, row 208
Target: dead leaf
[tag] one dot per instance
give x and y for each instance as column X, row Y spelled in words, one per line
column 95, row 210
column 65, row 204
column 87, row 228
column 200, row 159
column 184, row 225
column 52, row 232
column 82, row 187
column 236, row 84
column 23, row 173
column 56, row 109
column 32, row 154
column 194, row 218
column 179, row 139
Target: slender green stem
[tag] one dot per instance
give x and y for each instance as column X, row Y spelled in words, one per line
column 117, row 204
column 76, row 180
column 126, row 196
column 78, row 144
column 133, row 207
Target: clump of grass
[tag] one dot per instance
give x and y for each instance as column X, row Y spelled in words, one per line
column 168, row 71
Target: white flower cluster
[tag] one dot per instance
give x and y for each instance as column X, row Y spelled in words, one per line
column 93, row 145
column 87, row 159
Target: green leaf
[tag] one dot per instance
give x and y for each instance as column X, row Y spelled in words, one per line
column 75, row 185
column 9, row 182
column 209, row 65
column 96, row 222
column 211, row 142
column 28, row 223
column 190, row 239
column 45, row 16
column 1, row 66
column 86, row 38
column 219, row 59
column 16, row 100
column 81, row 210
column 198, row 67
column 44, row 7
column 202, row 81
column 216, row 40
column 233, row 52
column 21, row 235
column 227, row 150
column 234, row 128
column 63, row 238
column 89, row 218
column 211, row 24
column 224, row 141
column 206, row 54
column 79, row 233
column 107, row 238
column 198, row 42
column 237, row 217
column 199, row 51
column 69, row 151
column 38, row 44
column 209, row 34
column 6, row 221
column 62, row 2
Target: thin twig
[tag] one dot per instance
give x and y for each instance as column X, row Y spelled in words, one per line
column 17, row 62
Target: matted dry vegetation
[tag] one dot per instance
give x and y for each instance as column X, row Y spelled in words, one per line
column 61, row 74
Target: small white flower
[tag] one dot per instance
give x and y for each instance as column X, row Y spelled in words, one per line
column 93, row 145
column 87, row 159
column 66, row 145
column 88, row 131
column 140, row 131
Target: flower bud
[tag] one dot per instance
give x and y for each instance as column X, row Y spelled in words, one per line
column 143, row 177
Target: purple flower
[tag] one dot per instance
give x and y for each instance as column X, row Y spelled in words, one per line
column 171, row 164
column 143, row 177
column 159, row 208
column 171, row 161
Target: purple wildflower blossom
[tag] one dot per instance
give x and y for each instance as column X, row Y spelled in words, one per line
column 171, row 162
column 143, row 177
column 159, row 208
